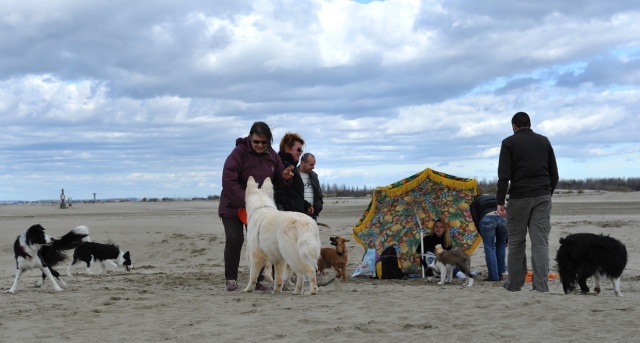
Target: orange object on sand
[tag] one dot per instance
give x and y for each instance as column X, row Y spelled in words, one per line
column 530, row 276
column 242, row 214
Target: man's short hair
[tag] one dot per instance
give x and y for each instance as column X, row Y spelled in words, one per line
column 521, row 120
column 305, row 157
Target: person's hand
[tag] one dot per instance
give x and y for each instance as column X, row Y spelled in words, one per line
column 502, row 211
column 287, row 174
column 310, row 210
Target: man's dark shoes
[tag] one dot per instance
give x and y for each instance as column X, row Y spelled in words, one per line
column 232, row 285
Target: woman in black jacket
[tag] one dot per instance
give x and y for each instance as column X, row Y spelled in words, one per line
column 291, row 197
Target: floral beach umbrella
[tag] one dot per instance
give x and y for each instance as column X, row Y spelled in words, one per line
column 392, row 215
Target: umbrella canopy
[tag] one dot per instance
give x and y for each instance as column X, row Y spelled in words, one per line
column 392, row 215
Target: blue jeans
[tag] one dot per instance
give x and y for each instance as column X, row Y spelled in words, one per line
column 493, row 230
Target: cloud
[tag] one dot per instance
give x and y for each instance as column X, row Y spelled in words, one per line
column 147, row 99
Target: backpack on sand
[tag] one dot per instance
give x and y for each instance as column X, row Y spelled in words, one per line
column 388, row 266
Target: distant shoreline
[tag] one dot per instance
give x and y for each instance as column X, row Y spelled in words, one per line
column 559, row 193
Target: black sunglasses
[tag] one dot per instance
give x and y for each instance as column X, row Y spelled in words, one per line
column 298, row 149
column 257, row 142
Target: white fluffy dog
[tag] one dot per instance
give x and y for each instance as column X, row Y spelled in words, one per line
column 281, row 237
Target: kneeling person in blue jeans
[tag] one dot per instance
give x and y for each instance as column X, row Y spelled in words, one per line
column 493, row 230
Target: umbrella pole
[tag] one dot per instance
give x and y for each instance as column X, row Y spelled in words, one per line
column 421, row 240
column 421, row 251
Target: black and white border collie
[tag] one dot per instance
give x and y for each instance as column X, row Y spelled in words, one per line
column 583, row 255
column 35, row 249
column 102, row 253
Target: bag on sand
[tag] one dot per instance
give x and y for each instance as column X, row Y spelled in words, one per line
column 368, row 265
column 388, row 266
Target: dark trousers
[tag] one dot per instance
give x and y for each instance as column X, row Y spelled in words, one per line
column 234, row 234
column 531, row 215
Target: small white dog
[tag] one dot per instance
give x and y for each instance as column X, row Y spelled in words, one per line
column 280, row 237
column 446, row 261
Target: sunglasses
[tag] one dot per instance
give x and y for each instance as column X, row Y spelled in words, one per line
column 298, row 150
column 257, row 142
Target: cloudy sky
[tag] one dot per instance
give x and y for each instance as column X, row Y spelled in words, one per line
column 146, row 98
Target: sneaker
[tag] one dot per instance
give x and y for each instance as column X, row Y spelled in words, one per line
column 324, row 280
column 232, row 285
column 262, row 286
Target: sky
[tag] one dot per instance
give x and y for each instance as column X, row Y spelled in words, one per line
column 146, row 98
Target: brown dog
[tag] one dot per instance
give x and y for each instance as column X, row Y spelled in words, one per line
column 336, row 258
column 447, row 260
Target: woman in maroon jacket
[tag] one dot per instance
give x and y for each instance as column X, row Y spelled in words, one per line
column 252, row 156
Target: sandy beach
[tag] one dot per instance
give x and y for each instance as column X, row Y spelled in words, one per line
column 176, row 290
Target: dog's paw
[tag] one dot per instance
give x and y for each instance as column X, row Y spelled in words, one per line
column 10, row 291
column 267, row 276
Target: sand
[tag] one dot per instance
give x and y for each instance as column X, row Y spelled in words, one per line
column 176, row 290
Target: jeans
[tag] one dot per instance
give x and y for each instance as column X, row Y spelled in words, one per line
column 493, row 230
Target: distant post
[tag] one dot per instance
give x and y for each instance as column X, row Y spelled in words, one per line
column 62, row 203
column 94, row 197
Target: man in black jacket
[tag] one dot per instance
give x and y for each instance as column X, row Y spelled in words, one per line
column 312, row 192
column 527, row 167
